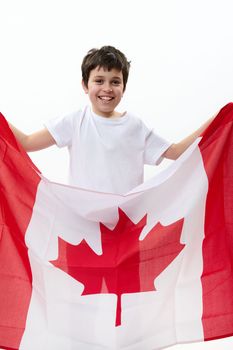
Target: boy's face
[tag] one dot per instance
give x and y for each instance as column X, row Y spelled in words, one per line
column 105, row 90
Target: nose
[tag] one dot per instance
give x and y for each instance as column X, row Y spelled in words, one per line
column 107, row 87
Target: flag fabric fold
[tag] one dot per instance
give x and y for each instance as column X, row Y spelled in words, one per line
column 146, row 270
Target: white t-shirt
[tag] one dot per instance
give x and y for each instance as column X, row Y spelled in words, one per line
column 106, row 155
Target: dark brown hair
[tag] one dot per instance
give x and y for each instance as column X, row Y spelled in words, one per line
column 107, row 57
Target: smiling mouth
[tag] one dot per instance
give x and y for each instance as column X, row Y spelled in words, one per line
column 106, row 98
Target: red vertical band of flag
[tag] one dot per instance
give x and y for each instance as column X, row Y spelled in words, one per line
column 18, row 185
column 217, row 278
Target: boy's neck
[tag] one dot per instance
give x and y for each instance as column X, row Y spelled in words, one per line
column 111, row 115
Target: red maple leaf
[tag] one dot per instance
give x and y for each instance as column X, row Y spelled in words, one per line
column 127, row 265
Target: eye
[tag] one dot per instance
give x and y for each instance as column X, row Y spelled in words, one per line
column 99, row 81
column 116, row 82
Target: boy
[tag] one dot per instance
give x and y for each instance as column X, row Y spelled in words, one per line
column 107, row 149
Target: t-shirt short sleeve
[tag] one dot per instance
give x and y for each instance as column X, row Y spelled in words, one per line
column 62, row 128
column 155, row 146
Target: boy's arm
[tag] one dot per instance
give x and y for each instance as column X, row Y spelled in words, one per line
column 35, row 141
column 176, row 149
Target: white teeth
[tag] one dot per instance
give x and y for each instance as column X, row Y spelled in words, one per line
column 106, row 98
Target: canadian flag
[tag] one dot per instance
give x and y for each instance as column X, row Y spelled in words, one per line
column 95, row 271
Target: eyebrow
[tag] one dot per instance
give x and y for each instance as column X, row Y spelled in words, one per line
column 102, row 76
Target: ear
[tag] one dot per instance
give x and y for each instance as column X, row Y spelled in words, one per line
column 84, row 87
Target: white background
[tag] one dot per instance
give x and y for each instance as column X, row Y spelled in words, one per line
column 181, row 54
